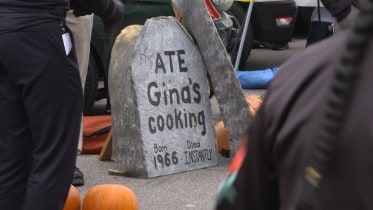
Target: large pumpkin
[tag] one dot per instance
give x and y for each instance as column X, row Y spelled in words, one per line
column 110, row 197
column 73, row 199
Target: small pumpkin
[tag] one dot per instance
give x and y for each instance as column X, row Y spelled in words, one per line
column 254, row 103
column 222, row 133
column 110, row 196
column 222, row 136
column 73, row 199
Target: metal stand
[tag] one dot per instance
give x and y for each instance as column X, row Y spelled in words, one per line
column 243, row 35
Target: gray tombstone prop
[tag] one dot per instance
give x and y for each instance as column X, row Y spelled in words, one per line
column 159, row 92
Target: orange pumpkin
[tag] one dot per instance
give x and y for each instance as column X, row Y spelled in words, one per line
column 254, row 103
column 222, row 136
column 222, row 133
column 73, row 199
column 110, row 196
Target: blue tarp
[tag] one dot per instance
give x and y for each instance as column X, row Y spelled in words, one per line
column 258, row 79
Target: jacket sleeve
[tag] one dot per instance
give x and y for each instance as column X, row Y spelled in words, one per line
column 338, row 8
column 110, row 11
column 251, row 182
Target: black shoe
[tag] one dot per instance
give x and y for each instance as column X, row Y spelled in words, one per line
column 280, row 45
column 78, row 178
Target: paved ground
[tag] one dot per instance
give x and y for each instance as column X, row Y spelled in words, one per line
column 195, row 189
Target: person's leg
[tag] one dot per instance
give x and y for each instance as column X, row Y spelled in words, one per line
column 318, row 31
column 52, row 94
column 15, row 139
column 321, row 26
column 81, row 29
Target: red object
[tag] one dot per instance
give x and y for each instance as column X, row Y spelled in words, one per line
column 212, row 10
column 238, row 158
column 95, row 133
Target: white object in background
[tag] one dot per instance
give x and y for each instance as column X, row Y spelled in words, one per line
column 307, row 3
column 222, row 5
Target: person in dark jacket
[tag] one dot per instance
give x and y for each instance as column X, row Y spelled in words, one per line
column 310, row 144
column 41, row 101
column 81, row 29
column 40, row 105
column 321, row 25
column 110, row 11
column 344, row 11
column 80, row 21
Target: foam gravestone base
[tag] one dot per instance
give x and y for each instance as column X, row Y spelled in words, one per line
column 110, row 197
column 73, row 199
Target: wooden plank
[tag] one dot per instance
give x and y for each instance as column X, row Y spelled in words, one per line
column 107, row 149
column 233, row 106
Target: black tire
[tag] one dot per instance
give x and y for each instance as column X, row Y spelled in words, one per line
column 238, row 15
column 91, row 85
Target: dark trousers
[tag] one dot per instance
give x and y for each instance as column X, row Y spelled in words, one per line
column 40, row 113
column 318, row 31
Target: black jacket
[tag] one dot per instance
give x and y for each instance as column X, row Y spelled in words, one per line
column 110, row 11
column 18, row 14
column 281, row 137
column 338, row 8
